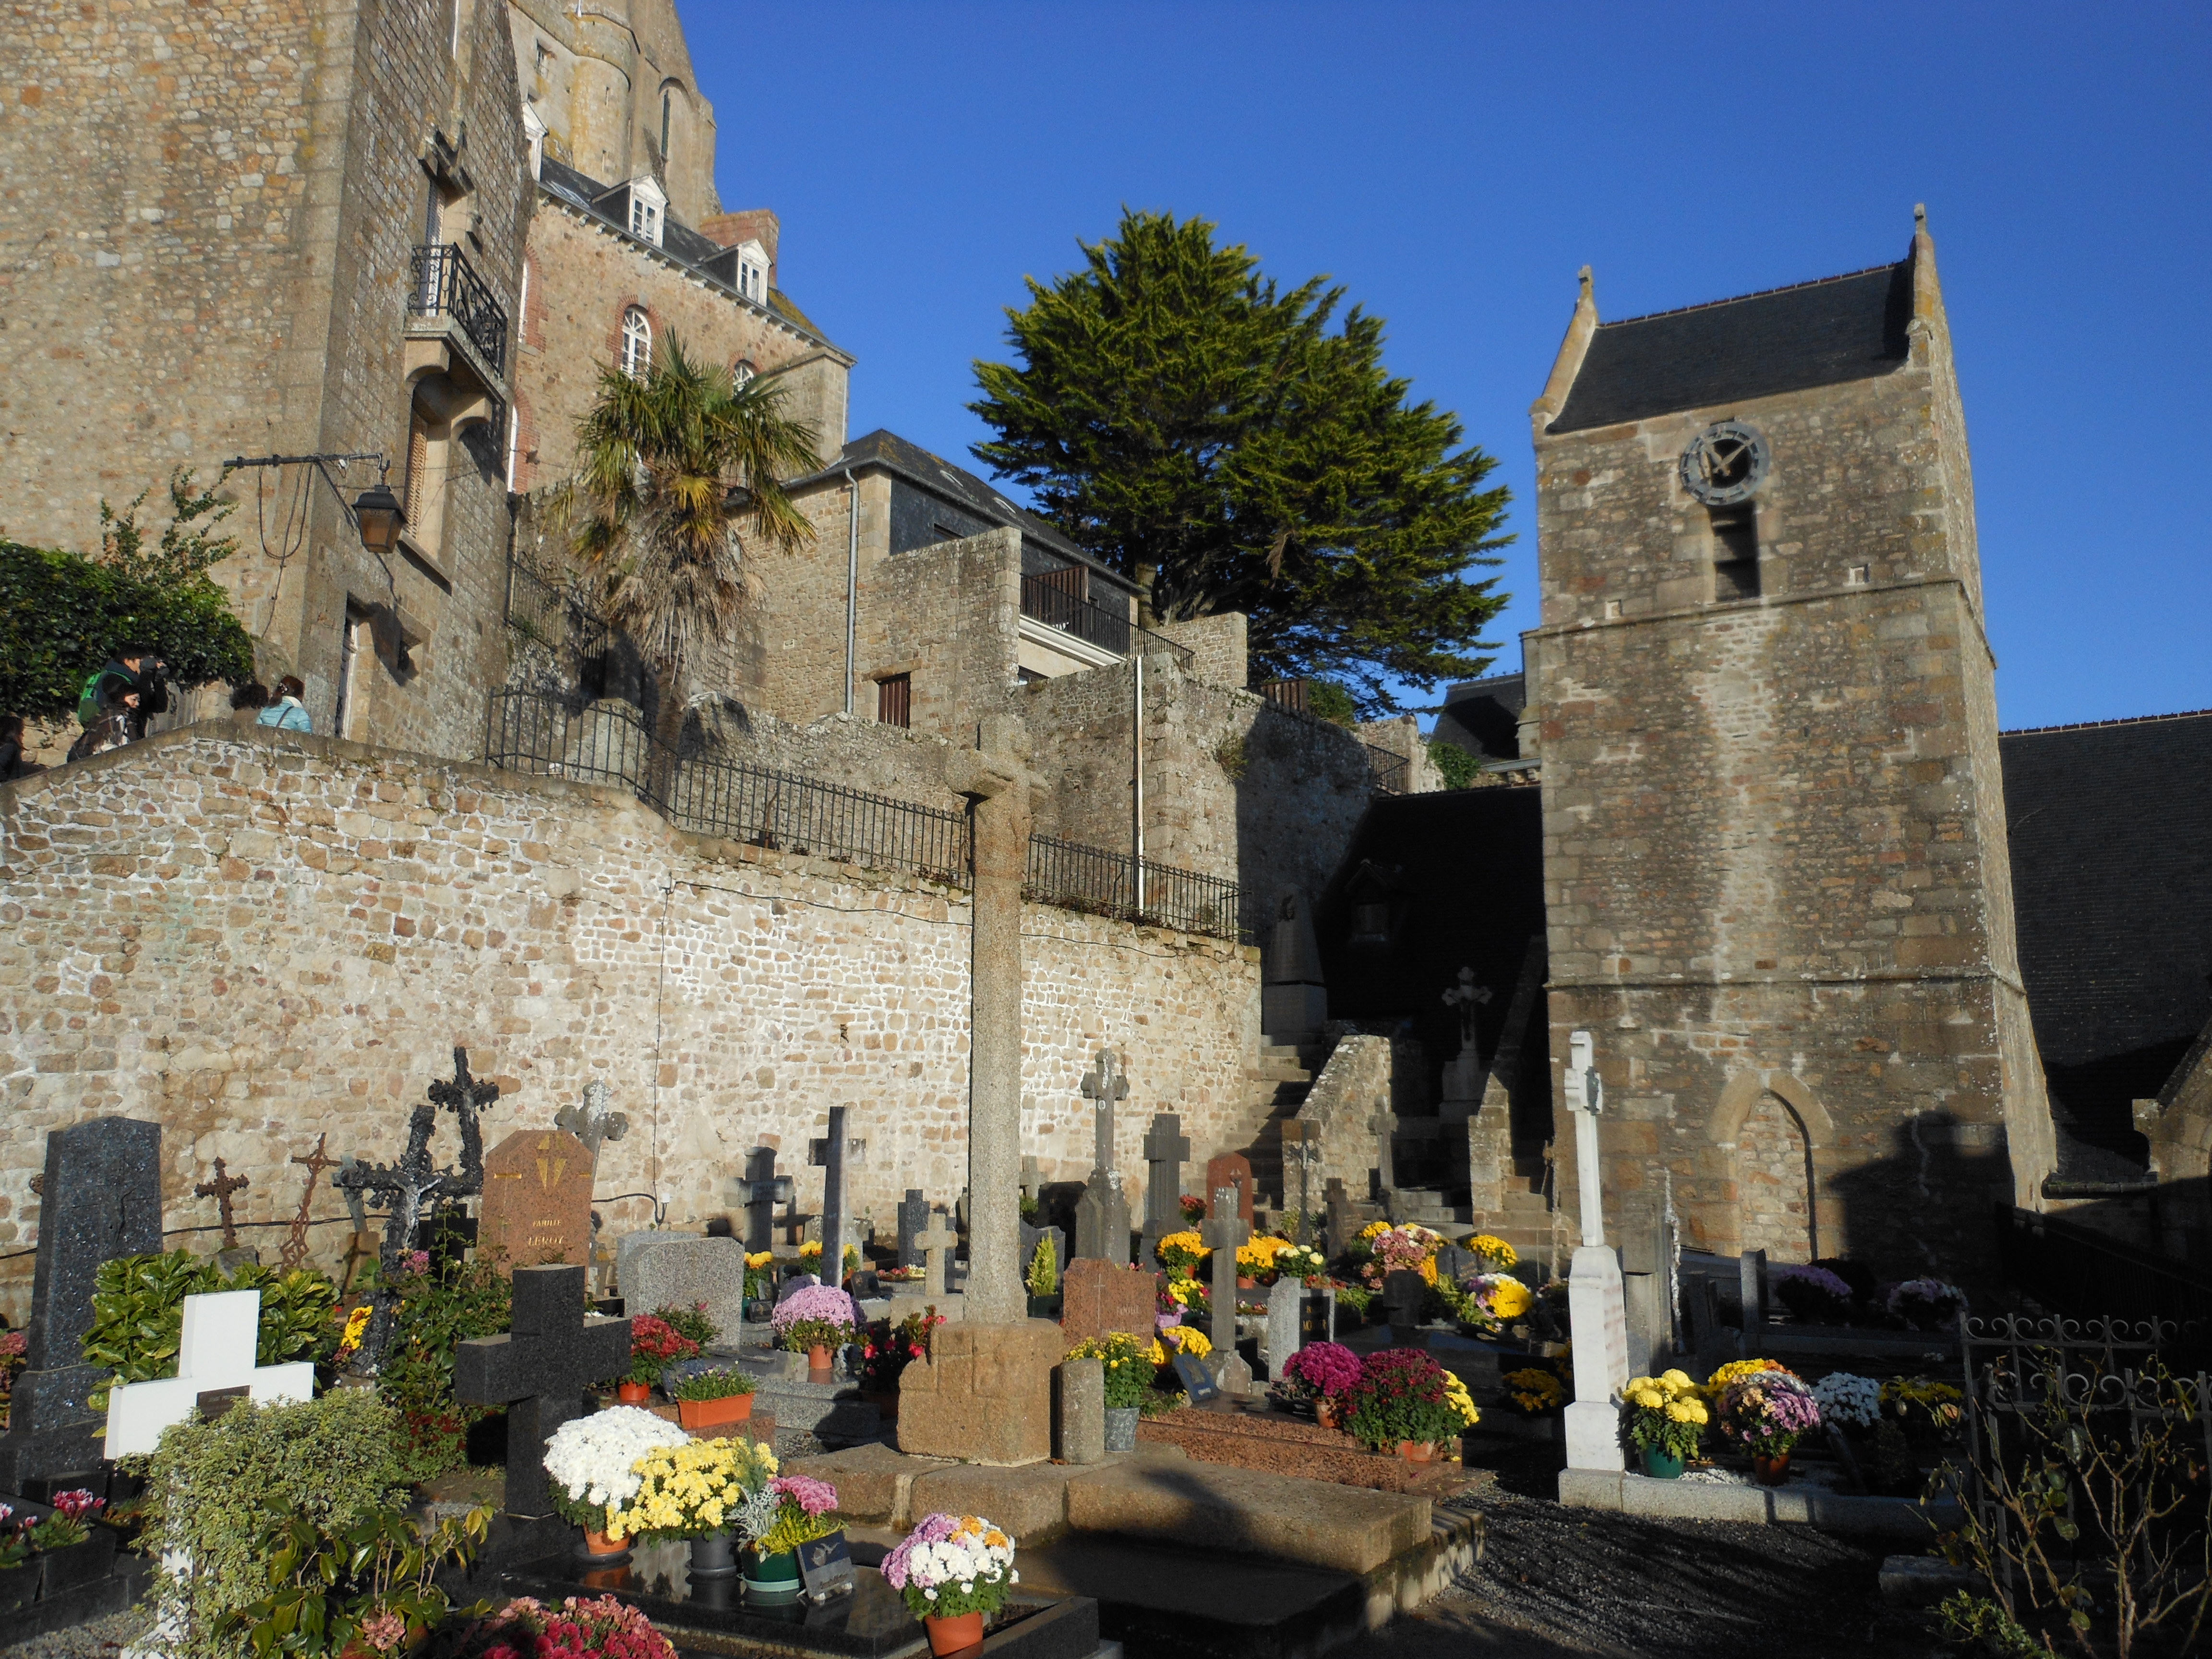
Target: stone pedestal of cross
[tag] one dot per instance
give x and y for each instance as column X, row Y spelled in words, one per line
column 935, row 1243
column 1596, row 1304
column 219, row 1190
column 214, row 1356
column 1223, row 1234
column 758, row 1194
column 295, row 1244
column 539, row 1370
column 1165, row 1149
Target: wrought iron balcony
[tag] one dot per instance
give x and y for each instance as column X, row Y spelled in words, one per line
column 1057, row 601
column 445, row 284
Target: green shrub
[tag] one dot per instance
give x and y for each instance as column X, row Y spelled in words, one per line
column 447, row 1304
column 62, row 615
column 212, row 1487
column 139, row 1313
column 1458, row 769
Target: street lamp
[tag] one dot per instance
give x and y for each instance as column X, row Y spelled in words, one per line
column 378, row 516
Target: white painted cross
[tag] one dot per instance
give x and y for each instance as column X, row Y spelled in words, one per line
column 1596, row 1307
column 217, row 1351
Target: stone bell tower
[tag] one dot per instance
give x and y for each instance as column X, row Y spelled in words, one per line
column 1763, row 697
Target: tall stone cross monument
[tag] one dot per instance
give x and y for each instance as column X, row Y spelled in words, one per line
column 1102, row 1214
column 1596, row 1306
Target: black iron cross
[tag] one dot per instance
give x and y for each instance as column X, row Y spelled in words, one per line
column 552, row 1351
column 464, row 1096
column 219, row 1190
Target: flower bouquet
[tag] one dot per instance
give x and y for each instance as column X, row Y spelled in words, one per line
column 1926, row 1304
column 22, row 1539
column 1925, row 1405
column 1492, row 1254
column 809, row 1256
column 1192, row 1206
column 707, row 1400
column 1534, row 1390
column 1495, row 1300
column 790, row 1510
column 1129, row 1372
column 1181, row 1253
column 694, row 1491
column 1318, row 1374
column 591, row 1466
column 883, row 1358
column 954, row 1571
column 1813, row 1295
column 1172, row 1341
column 1664, row 1418
column 654, row 1345
column 1406, row 1249
column 815, row 1321
column 1404, row 1400
column 1765, row 1414
column 600, row 1628
column 1847, row 1402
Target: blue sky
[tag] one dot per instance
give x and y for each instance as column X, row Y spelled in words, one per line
column 1452, row 166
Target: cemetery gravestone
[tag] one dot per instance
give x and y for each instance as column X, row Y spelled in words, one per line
column 1102, row 1214
column 831, row 1154
column 1101, row 1297
column 536, row 1205
column 1595, row 1300
column 913, row 1217
column 1231, row 1172
column 683, row 1273
column 1404, row 1292
column 1384, row 1125
column 1317, row 1317
column 1223, row 1234
column 935, row 1243
column 214, row 1354
column 1285, row 1325
column 101, row 1198
column 592, row 1123
column 539, row 1370
column 1165, row 1149
column 758, row 1193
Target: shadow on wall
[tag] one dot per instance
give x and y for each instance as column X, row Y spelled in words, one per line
column 1925, row 1209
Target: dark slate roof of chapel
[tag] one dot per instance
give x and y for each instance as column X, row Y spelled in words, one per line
column 1787, row 339
column 679, row 241
column 2111, row 828
column 930, row 472
column 1483, row 717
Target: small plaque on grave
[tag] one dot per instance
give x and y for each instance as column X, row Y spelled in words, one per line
column 826, row 1567
column 1198, row 1382
column 866, row 1286
column 1316, row 1318
column 212, row 1403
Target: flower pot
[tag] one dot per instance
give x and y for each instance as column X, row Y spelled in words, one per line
column 954, row 1635
column 817, row 1357
column 600, row 1547
column 711, row 1557
column 1418, row 1451
column 1244, row 1283
column 1662, row 1465
column 1771, row 1471
column 632, row 1393
column 1122, row 1428
column 771, row 1577
column 712, row 1413
column 1326, row 1413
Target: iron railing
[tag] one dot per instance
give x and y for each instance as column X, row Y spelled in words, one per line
column 445, row 284
column 1389, row 773
column 1048, row 598
column 1291, row 696
column 608, row 743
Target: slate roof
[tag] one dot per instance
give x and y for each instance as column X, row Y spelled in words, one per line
column 928, row 470
column 698, row 254
column 1483, row 717
column 1787, row 339
column 2111, row 827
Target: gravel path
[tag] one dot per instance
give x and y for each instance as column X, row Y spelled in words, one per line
column 1554, row 1582
column 103, row 1638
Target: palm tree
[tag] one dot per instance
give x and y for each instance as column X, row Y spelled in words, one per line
column 670, row 464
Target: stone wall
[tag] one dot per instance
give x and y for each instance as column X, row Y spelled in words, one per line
column 1775, row 851
column 254, row 937
column 207, row 254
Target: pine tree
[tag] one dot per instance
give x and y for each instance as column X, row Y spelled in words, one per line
column 1199, row 430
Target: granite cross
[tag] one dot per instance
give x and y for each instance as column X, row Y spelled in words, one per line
column 1467, row 996
column 760, row 1192
column 1384, row 1125
column 219, row 1190
column 295, row 1245
column 1222, row 1234
column 831, row 1152
column 1032, row 1178
column 913, row 1217
column 592, row 1123
column 1104, row 1086
column 538, row 1371
column 1301, row 1151
column 1165, row 1148
column 935, row 1243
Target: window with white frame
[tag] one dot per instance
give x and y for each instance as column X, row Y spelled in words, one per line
column 648, row 206
column 752, row 272
column 741, row 372
column 533, row 129
column 636, row 342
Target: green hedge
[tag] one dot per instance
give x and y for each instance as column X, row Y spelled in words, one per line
column 63, row 616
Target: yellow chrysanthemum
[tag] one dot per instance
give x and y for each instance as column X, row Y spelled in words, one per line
column 1428, row 1270
column 1679, row 1412
column 1462, row 1402
column 1741, row 1368
column 1511, row 1299
column 1191, row 1340
column 1677, row 1380
column 1367, row 1233
column 1698, row 1413
column 1490, row 1245
column 1650, row 1399
column 761, row 1259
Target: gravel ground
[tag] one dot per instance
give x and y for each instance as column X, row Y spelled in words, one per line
column 103, row 1638
column 1556, row 1581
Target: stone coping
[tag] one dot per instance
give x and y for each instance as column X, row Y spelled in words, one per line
column 1804, row 1505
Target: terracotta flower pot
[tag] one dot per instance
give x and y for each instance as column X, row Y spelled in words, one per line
column 817, row 1357
column 952, row 1635
column 1328, row 1414
column 712, row 1413
column 632, row 1393
column 1417, row 1451
column 600, row 1544
column 1244, row 1283
column 1771, row 1471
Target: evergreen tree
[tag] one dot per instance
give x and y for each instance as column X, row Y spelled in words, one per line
column 1191, row 425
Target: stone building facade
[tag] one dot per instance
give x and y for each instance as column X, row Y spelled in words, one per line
column 213, row 248
column 1775, row 853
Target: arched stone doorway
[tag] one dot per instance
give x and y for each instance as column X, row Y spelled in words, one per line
column 1772, row 1126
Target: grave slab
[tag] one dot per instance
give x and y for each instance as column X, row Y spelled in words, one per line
column 1253, row 1437
column 1705, row 1500
column 682, row 1271
column 1100, row 1298
column 1029, row 1502
column 1212, row 1506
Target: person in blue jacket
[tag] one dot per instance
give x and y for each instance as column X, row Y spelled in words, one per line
column 288, row 711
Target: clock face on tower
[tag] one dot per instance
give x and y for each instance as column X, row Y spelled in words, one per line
column 1724, row 463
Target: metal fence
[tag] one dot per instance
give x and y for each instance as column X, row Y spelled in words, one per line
column 446, row 285
column 608, row 743
column 1389, row 773
column 1048, row 598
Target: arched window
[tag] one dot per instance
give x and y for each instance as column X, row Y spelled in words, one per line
column 636, row 342
column 667, row 109
column 740, row 373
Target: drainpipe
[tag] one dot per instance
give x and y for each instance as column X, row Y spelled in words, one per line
column 852, row 578
column 1137, row 779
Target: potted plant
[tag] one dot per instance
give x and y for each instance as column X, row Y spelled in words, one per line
column 1172, row 1341
column 1664, row 1419
column 596, row 1627
column 1492, row 1301
column 815, row 1321
column 760, row 1285
column 1045, row 1281
column 708, row 1400
column 42, row 1554
column 1405, row 1401
column 1765, row 1414
column 810, row 1258
column 695, row 1492
column 1850, row 1406
column 885, row 1358
column 1322, row 1374
column 954, row 1571
column 1492, row 1254
column 1928, row 1413
column 591, row 1473
column 691, row 1323
column 654, row 1345
column 790, row 1510
column 1813, row 1295
column 1925, row 1304
column 1534, row 1391
column 1129, row 1371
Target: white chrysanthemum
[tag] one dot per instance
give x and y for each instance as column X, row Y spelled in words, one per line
column 1853, row 1401
column 593, row 1459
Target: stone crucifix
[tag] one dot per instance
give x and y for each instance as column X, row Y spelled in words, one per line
column 219, row 1190
column 1384, row 1125
column 997, row 782
column 1597, row 1303
column 593, row 1122
column 1224, row 1234
column 1466, row 997
column 935, row 1243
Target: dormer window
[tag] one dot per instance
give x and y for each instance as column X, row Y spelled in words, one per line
column 752, row 272
column 533, row 128
column 636, row 343
column 648, row 206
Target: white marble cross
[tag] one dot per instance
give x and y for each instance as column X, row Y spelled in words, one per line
column 1597, row 1308
column 217, row 1351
